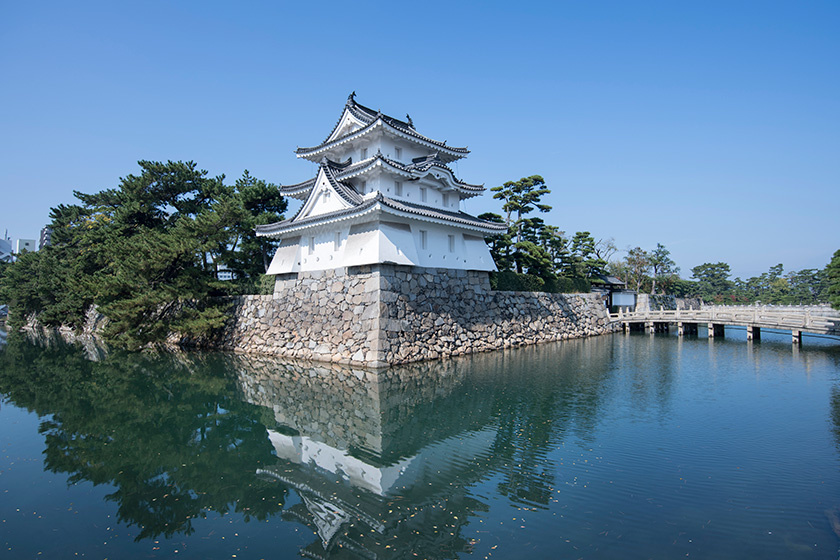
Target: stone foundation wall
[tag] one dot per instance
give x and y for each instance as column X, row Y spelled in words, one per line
column 647, row 302
column 326, row 315
column 385, row 315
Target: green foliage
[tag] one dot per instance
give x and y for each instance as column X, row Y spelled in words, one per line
column 712, row 279
column 501, row 244
column 534, row 256
column 804, row 287
column 635, row 269
column 265, row 285
column 508, row 280
column 665, row 270
column 521, row 198
column 582, row 260
column 568, row 285
column 148, row 253
column 248, row 255
column 683, row 288
column 832, row 272
column 168, row 433
column 648, row 271
column 46, row 281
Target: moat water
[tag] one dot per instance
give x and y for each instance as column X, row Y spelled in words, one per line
column 620, row 446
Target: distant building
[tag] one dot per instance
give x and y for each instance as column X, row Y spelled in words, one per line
column 6, row 250
column 225, row 274
column 10, row 249
column 22, row 245
column 615, row 290
column 46, row 237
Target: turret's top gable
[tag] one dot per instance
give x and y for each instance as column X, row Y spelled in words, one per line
column 357, row 120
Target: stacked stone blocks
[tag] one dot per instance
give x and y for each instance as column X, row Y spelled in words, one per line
column 382, row 315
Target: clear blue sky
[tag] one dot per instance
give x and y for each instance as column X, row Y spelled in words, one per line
column 710, row 127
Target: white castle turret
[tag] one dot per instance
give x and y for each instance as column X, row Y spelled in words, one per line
column 384, row 194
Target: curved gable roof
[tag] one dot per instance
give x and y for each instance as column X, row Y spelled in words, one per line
column 370, row 120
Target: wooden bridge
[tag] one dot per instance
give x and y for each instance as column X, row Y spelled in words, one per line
column 716, row 318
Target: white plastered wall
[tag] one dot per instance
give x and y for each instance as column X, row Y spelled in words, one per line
column 375, row 242
column 286, row 258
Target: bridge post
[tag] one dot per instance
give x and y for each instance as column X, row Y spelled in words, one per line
column 796, row 337
column 753, row 333
column 715, row 330
column 650, row 326
column 680, row 328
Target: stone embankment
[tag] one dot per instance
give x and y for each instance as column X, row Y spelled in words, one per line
column 385, row 315
column 647, row 302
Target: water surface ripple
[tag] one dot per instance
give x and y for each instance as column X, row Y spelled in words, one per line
column 623, row 446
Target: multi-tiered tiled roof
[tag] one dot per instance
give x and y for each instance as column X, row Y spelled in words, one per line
column 401, row 204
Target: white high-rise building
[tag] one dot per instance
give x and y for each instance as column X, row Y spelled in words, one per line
column 384, row 193
column 22, row 245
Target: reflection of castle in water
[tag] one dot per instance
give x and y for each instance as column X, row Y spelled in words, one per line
column 384, row 462
column 374, row 456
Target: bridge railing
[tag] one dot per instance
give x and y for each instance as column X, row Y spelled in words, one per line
column 757, row 317
column 823, row 310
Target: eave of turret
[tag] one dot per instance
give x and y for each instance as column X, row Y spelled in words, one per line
column 373, row 121
column 413, row 171
column 299, row 191
column 382, row 204
column 419, row 168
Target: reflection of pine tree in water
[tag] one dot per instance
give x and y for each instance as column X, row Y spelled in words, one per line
column 166, row 432
column 180, row 437
column 835, row 413
column 833, row 514
column 558, row 393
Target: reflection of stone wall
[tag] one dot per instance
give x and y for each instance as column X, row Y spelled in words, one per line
column 347, row 407
column 389, row 315
column 88, row 338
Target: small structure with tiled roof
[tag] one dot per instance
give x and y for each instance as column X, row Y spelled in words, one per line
column 383, row 194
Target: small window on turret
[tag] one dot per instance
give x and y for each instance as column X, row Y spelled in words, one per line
column 446, row 201
column 397, row 153
column 363, row 187
column 311, row 245
column 364, row 153
column 397, row 188
column 337, row 241
column 422, row 194
column 451, row 243
column 423, row 241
